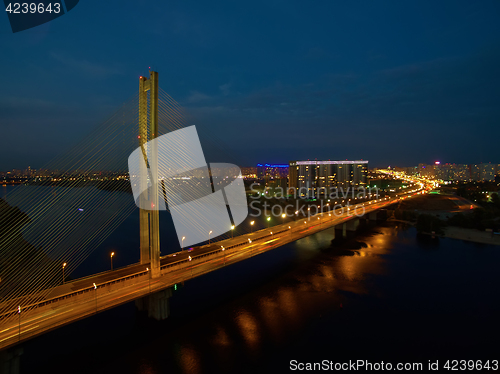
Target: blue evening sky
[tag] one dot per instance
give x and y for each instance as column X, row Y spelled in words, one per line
column 394, row 82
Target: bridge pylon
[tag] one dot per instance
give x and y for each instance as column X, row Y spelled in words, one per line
column 149, row 219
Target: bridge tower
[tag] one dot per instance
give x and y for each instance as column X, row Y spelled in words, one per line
column 149, row 219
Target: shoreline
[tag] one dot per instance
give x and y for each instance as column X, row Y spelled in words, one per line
column 471, row 235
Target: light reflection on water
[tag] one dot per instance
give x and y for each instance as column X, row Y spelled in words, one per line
column 4, row 190
column 277, row 313
column 248, row 328
column 190, row 360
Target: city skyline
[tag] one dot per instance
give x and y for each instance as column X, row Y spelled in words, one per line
column 29, row 169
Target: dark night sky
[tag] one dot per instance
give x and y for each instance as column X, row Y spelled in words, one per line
column 388, row 81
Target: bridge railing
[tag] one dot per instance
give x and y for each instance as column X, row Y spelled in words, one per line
column 55, row 301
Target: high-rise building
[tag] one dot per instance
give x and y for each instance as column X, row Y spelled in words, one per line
column 443, row 172
column 426, row 171
column 272, row 171
column 273, row 175
column 475, row 172
column 249, row 172
column 318, row 177
column 487, row 172
column 460, row 173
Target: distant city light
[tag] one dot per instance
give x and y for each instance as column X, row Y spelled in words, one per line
column 273, row 165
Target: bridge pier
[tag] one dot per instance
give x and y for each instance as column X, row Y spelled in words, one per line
column 10, row 360
column 156, row 305
column 372, row 216
column 149, row 219
column 352, row 225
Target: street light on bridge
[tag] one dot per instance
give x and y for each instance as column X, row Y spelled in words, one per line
column 19, row 312
column 63, row 266
column 189, row 258
column 268, row 219
column 223, row 249
column 95, row 293
column 232, row 231
column 283, row 218
column 182, row 243
column 112, row 254
column 149, row 279
column 251, row 226
column 209, row 236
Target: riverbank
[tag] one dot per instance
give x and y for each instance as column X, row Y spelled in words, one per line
column 471, row 235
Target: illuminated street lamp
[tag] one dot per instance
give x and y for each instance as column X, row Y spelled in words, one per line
column 209, row 236
column 19, row 312
column 112, row 254
column 251, row 226
column 268, row 219
column 95, row 294
column 182, row 243
column 63, row 266
column 149, row 279
column 223, row 249
column 290, row 228
column 283, row 218
column 232, row 231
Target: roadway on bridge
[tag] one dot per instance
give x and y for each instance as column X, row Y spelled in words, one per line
column 339, row 216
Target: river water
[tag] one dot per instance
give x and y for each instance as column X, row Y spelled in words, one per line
column 399, row 299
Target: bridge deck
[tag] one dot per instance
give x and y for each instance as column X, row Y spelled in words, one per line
column 79, row 299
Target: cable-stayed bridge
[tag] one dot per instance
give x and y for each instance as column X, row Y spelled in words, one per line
column 60, row 223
